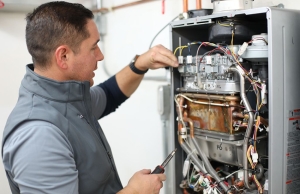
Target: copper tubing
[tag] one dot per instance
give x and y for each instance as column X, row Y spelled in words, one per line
column 180, row 125
column 181, row 101
column 198, row 4
column 232, row 180
column 240, row 184
column 238, row 115
column 212, row 97
column 191, row 125
column 264, row 121
column 185, row 6
column 180, row 140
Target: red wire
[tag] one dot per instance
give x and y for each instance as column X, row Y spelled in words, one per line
column 163, row 6
column 1, row 4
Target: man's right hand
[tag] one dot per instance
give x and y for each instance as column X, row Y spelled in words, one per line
column 142, row 182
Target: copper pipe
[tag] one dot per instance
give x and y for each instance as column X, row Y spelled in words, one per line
column 191, row 125
column 238, row 115
column 180, row 140
column 179, row 109
column 212, row 97
column 264, row 121
column 232, row 179
column 240, row 184
column 198, row 4
column 207, row 103
column 180, row 125
column 185, row 6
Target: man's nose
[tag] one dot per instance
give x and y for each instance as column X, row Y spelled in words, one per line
column 100, row 55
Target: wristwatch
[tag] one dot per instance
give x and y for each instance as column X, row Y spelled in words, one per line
column 133, row 67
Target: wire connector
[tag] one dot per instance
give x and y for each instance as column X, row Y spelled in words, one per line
column 185, row 168
column 180, row 60
column 189, row 59
column 255, row 157
column 242, row 48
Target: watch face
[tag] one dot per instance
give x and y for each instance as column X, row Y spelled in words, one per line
column 135, row 58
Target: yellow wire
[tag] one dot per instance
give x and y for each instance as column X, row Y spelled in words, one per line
column 248, row 156
column 261, row 104
column 182, row 49
column 258, row 184
column 176, row 50
column 227, row 25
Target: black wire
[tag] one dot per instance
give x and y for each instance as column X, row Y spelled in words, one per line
column 160, row 31
column 248, row 89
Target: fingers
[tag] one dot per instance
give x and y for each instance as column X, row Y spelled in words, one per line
column 159, row 60
column 166, row 52
column 162, row 57
column 145, row 171
column 162, row 177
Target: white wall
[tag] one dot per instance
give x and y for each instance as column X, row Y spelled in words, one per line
column 134, row 131
column 13, row 57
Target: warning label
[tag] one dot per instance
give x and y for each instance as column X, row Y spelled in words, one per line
column 293, row 150
column 294, row 113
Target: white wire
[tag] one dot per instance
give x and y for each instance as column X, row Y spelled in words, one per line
column 232, row 174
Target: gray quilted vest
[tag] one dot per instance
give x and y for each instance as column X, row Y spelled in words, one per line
column 67, row 105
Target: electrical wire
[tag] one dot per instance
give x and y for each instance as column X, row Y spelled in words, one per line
column 161, row 31
column 222, row 24
column 232, row 174
column 258, row 39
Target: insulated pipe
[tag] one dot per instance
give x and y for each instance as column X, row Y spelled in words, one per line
column 209, row 167
column 207, row 164
column 181, row 141
column 193, row 156
column 241, row 73
column 198, row 4
column 189, row 151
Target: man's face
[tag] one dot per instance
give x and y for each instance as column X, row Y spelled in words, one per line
column 85, row 61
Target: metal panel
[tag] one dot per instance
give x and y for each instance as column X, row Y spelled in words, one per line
column 284, row 27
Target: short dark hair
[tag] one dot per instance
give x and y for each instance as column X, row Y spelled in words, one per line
column 53, row 24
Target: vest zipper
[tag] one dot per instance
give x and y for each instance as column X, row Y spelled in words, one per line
column 98, row 135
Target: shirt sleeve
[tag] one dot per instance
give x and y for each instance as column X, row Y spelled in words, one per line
column 106, row 97
column 40, row 159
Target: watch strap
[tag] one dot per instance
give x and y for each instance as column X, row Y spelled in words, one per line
column 133, row 67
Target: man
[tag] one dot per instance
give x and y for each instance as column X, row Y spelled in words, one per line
column 52, row 141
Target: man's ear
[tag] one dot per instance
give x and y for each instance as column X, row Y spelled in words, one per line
column 62, row 56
